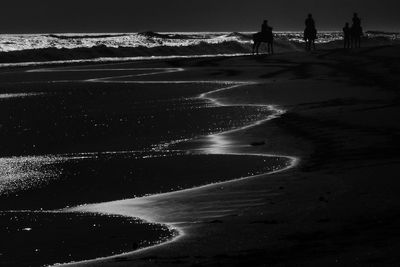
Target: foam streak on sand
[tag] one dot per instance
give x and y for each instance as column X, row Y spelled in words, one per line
column 219, row 145
column 116, row 59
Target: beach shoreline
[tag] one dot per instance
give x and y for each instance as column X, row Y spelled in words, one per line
column 310, row 207
column 213, row 147
column 60, row 158
column 209, row 147
column 340, row 202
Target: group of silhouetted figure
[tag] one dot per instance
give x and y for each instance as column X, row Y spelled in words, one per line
column 351, row 35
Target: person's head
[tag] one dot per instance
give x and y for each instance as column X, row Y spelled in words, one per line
column 310, row 15
column 355, row 15
column 265, row 21
column 347, row 25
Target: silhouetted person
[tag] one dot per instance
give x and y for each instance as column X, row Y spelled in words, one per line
column 356, row 20
column 356, row 31
column 310, row 23
column 310, row 33
column 347, row 36
column 265, row 36
column 265, row 28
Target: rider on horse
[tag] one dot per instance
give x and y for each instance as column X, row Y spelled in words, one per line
column 265, row 28
column 310, row 23
column 265, row 36
column 266, row 32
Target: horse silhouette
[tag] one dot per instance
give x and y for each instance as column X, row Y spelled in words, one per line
column 310, row 33
column 265, row 36
column 260, row 38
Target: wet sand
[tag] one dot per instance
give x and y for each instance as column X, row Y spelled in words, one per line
column 41, row 238
column 92, row 134
column 339, row 206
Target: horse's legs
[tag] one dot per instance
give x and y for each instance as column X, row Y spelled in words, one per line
column 258, row 47
column 347, row 43
column 310, row 45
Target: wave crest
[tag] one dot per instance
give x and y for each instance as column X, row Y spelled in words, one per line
column 23, row 48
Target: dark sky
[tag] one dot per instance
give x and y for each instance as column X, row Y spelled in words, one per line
column 43, row 16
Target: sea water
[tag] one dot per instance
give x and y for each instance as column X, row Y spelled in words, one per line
column 20, row 42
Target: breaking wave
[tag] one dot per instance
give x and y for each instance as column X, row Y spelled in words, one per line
column 44, row 47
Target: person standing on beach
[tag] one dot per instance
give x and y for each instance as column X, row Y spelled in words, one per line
column 356, row 20
column 356, row 32
column 347, row 36
column 265, row 28
column 310, row 33
column 310, row 22
column 266, row 31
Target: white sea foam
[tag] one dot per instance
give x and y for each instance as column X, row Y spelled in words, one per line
column 19, row 42
column 19, row 95
column 15, row 42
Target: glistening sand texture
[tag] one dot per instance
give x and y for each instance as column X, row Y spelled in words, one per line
column 47, row 168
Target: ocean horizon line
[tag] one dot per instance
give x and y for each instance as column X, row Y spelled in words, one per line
column 188, row 32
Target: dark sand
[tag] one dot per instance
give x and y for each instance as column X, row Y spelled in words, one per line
column 106, row 178
column 61, row 237
column 339, row 207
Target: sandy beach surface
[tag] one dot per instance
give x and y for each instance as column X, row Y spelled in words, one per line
column 339, row 205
